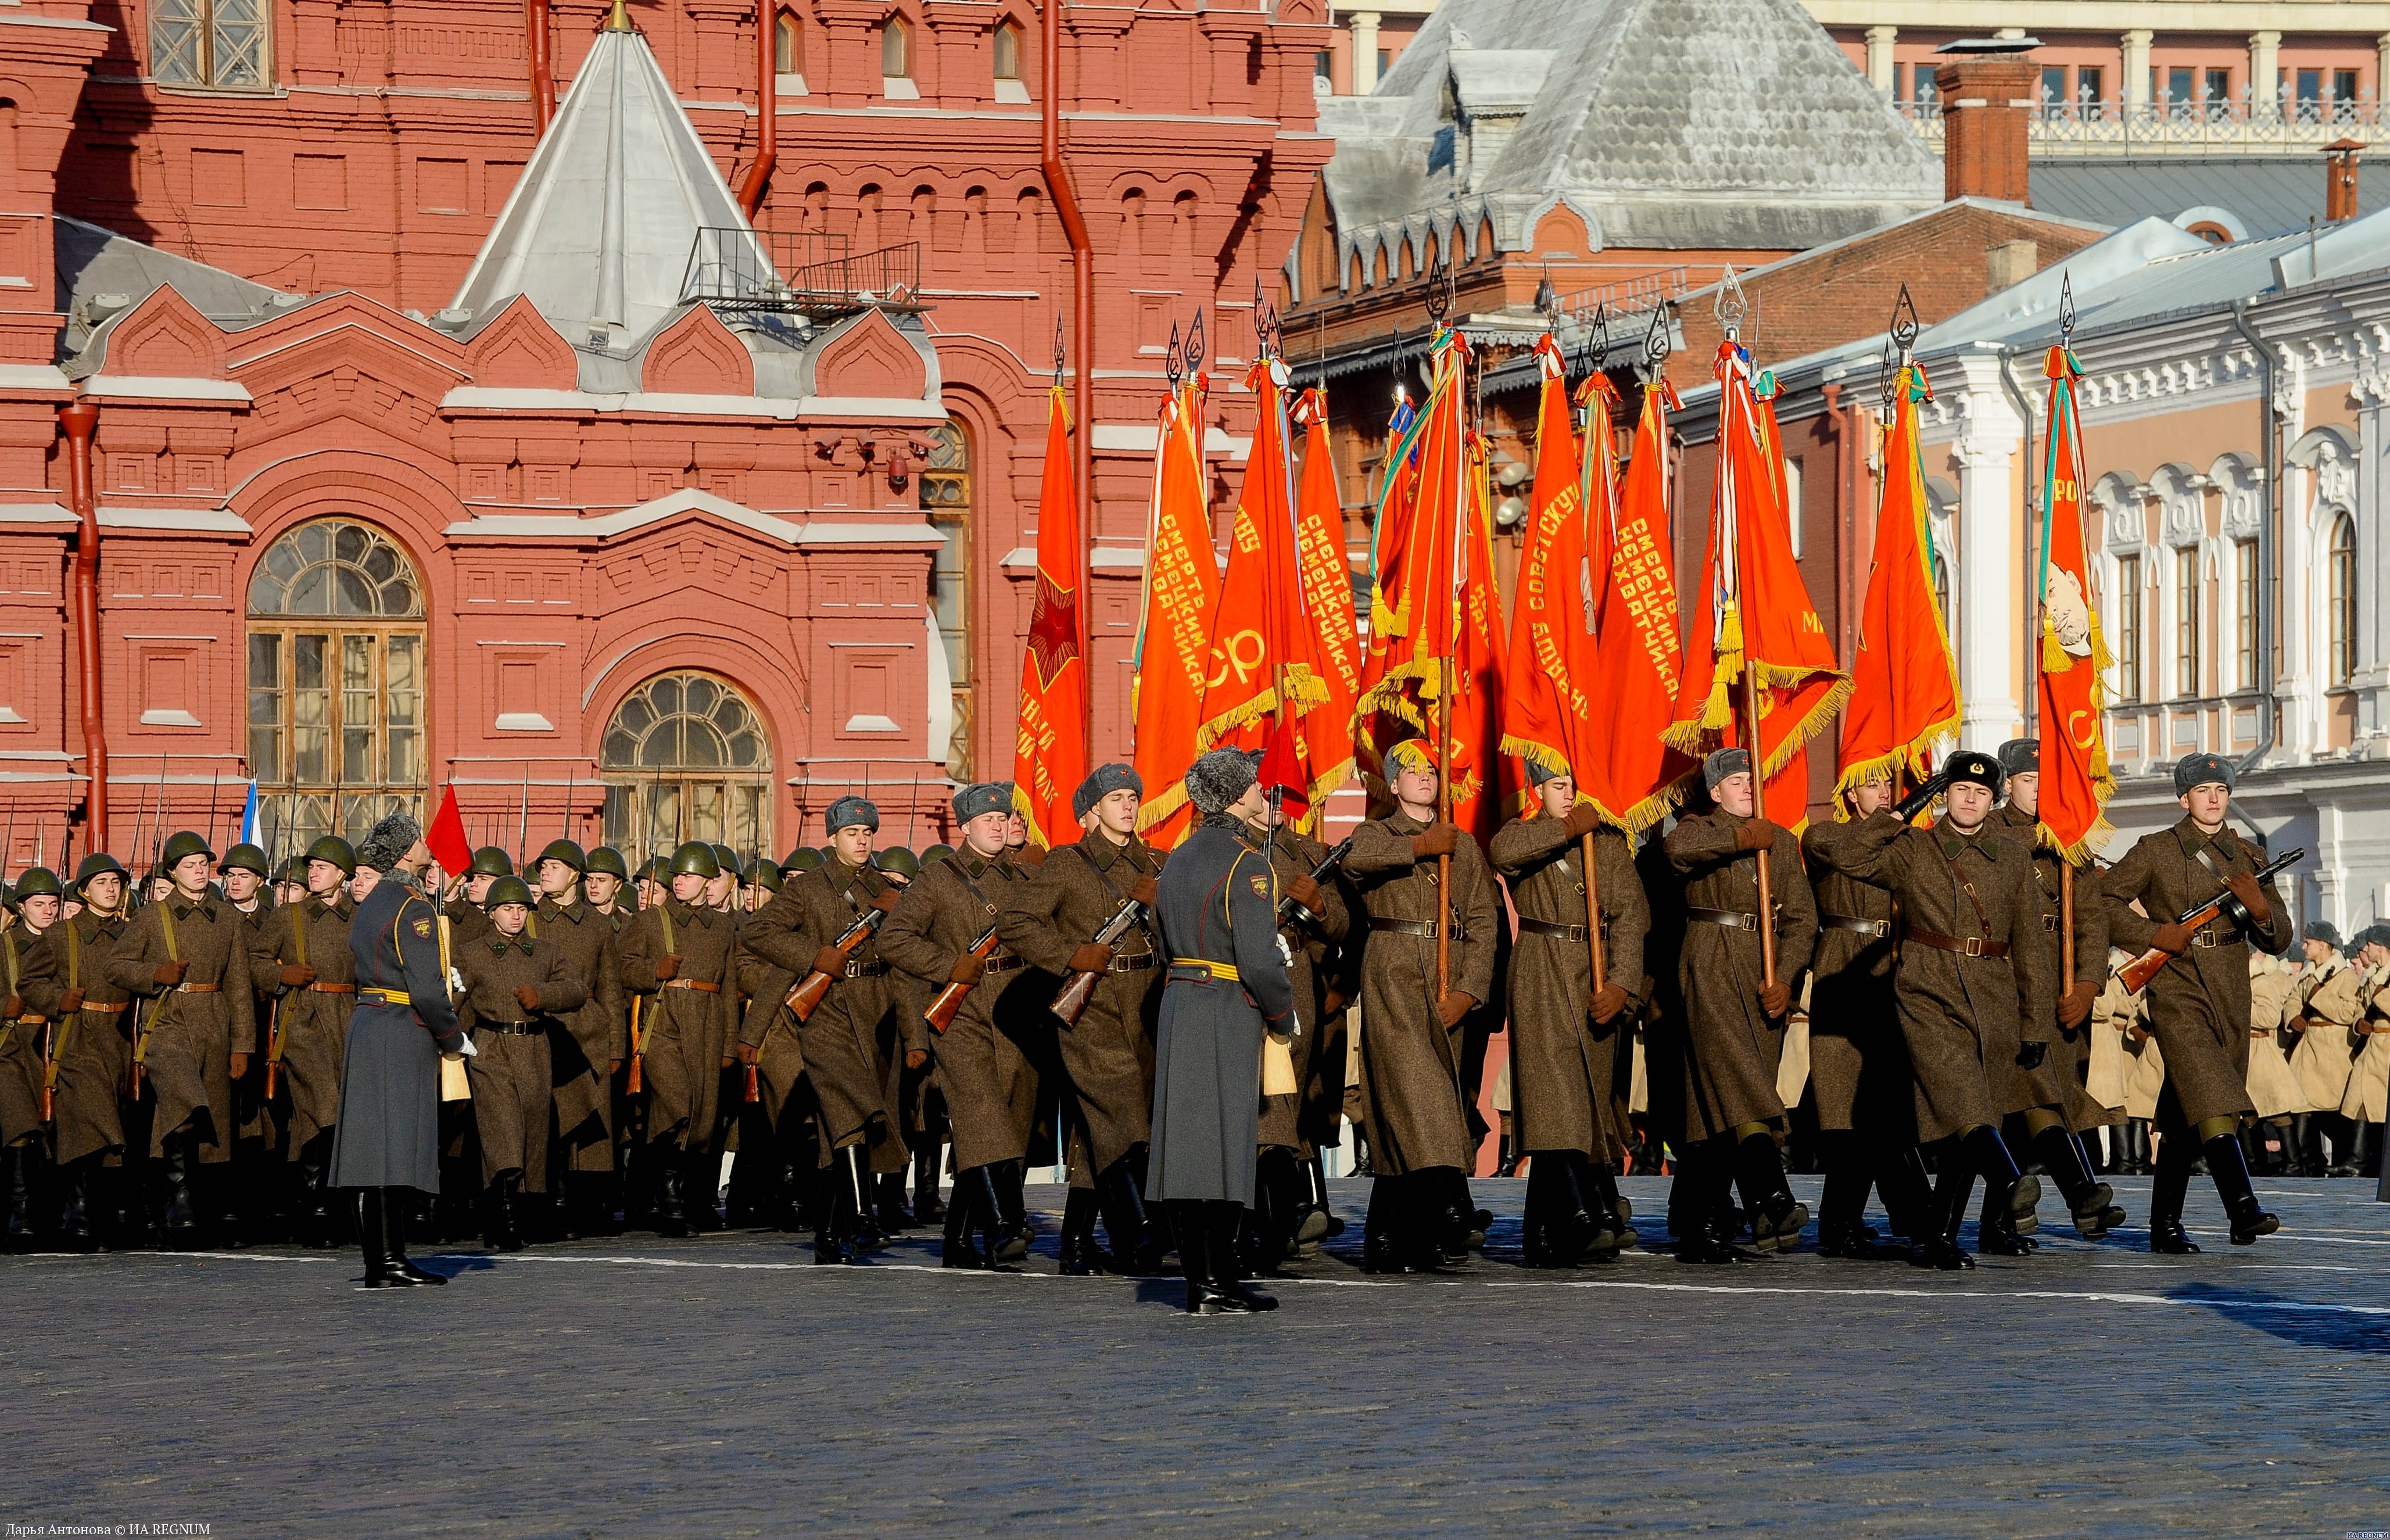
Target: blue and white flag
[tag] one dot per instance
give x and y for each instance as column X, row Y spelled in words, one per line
column 248, row 817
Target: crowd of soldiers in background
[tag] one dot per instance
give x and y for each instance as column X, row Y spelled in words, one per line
column 837, row 1041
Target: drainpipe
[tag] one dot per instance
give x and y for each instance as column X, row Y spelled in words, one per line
column 78, row 420
column 2270, row 424
column 2033, row 518
column 542, row 67
column 1847, row 517
column 767, row 97
column 1083, row 297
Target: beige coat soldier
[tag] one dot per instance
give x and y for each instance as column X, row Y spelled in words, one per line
column 680, row 958
column 2273, row 1088
column 2368, row 1097
column 2328, row 1000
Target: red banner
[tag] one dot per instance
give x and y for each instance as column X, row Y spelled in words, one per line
column 1174, row 630
column 2076, row 780
column 1049, row 754
column 1327, row 578
column 1548, row 715
column 1635, row 686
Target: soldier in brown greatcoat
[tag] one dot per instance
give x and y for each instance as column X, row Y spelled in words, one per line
column 520, row 992
column 989, row 1086
column 2046, row 1106
column 679, row 955
column 189, row 954
column 1567, row 1037
column 25, row 1029
column 797, row 933
column 301, row 960
column 587, row 1046
column 1733, row 1028
column 67, row 982
column 1975, row 980
column 2199, row 1001
column 1050, row 922
column 1287, row 1213
column 769, row 1044
column 467, row 918
column 1421, row 1151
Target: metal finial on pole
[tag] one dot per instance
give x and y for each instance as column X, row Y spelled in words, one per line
column 1172, row 365
column 2065, row 306
column 1731, row 306
column 1657, row 345
column 1060, row 358
column 621, row 20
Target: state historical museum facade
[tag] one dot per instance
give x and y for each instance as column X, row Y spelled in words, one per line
column 428, row 448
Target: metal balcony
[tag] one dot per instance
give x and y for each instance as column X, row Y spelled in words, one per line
column 809, row 273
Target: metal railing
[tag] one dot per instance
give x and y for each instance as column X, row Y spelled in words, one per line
column 2226, row 125
column 812, row 272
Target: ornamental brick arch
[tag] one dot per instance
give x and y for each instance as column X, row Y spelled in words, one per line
column 165, row 336
column 765, row 683
column 697, row 356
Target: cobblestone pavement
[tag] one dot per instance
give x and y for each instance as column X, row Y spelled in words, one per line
column 726, row 1387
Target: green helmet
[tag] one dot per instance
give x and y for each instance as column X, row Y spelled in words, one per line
column 763, row 874
column 506, row 890
column 609, row 860
column 696, row 858
column 295, row 870
column 245, row 857
column 334, row 849
column 804, row 858
column 727, row 859
column 898, row 862
column 35, row 882
column 98, row 864
column 490, row 861
column 936, row 853
column 182, row 845
column 566, row 851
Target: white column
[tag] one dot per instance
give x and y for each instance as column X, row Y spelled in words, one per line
column 2264, row 62
column 2136, row 90
column 1364, row 29
column 1878, row 42
column 1990, row 551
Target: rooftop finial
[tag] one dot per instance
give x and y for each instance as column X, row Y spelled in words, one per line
column 621, row 20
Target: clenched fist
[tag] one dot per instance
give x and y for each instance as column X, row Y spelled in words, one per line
column 2253, row 897
column 1146, row 890
column 527, row 997
column 968, row 969
column 237, row 1066
column 2075, row 1005
column 1438, row 838
column 668, row 967
column 296, row 975
column 12, row 1007
column 916, row 1057
column 745, row 1053
column 1581, row 821
column 1775, row 998
column 2171, row 938
column 884, row 901
column 71, row 1002
column 1333, row 1004
column 1608, row 1001
column 170, row 972
column 1455, row 1005
column 829, row 959
column 1758, row 834
column 2030, row 1055
column 1091, row 958
column 1304, row 890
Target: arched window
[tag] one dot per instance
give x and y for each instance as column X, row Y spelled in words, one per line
column 1008, row 52
column 336, row 653
column 788, row 45
column 947, row 499
column 2342, row 561
column 895, row 49
column 684, row 758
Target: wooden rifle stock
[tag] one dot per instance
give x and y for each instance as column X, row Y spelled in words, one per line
column 1070, row 1003
column 631, row 1084
column 941, row 1011
column 808, row 996
column 272, row 1046
column 2138, row 973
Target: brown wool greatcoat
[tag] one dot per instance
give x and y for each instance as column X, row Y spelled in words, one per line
column 766, row 1026
column 1410, row 1062
column 840, row 1043
column 513, row 1073
column 990, row 1087
column 1731, row 1046
column 1312, row 944
column 22, row 1045
column 1565, row 1067
column 2058, row 1083
column 313, row 1019
column 1855, row 1047
column 591, row 1038
column 186, row 1066
column 688, row 1021
column 2199, row 1003
column 1109, row 1056
column 1963, row 1017
column 90, row 1044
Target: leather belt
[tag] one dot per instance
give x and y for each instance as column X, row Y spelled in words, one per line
column 2049, row 923
column 1006, row 964
column 1970, row 946
column 1730, row 918
column 698, row 984
column 198, row 989
column 1877, row 927
column 2211, row 938
column 332, row 989
column 100, row 1008
column 510, row 1028
column 32, row 1020
column 1565, row 932
column 1137, row 964
column 865, row 969
column 1414, row 927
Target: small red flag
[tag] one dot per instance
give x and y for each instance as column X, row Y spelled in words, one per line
column 1049, row 754
column 446, row 838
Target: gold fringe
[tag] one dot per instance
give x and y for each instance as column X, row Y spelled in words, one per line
column 1305, row 690
column 1155, row 809
column 1647, row 815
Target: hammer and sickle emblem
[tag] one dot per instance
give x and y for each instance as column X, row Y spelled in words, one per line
column 1242, row 653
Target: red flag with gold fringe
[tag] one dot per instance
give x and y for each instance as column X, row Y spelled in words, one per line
column 2076, row 779
column 1548, row 713
column 1327, row 580
column 1635, row 694
column 1173, row 630
column 1050, row 754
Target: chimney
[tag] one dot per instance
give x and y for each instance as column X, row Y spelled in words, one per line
column 2340, row 181
column 1987, row 89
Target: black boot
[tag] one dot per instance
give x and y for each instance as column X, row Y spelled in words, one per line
column 1907, row 1189
column 854, row 1164
column 2307, row 1146
column 1557, row 1228
column 312, row 1219
column 1614, row 1218
column 700, row 1191
column 927, row 1209
column 1941, row 1248
column 2019, row 1195
column 1777, row 1217
column 2135, row 1158
column 1013, row 1230
column 1842, row 1229
column 178, row 1217
column 1506, row 1157
column 1223, row 1220
column 76, row 1230
column 833, row 1212
column 2230, row 1174
column 18, row 1237
column 2168, row 1188
column 894, row 1215
column 1191, row 1223
column 1995, row 1229
column 1080, row 1256
column 1443, row 1191
column 2093, row 1203
column 1705, row 1207
column 664, row 1167
column 963, row 1221
column 1138, row 1245
column 1386, row 1242
column 506, row 1218
column 1310, row 1220
column 373, row 1236
column 395, row 1203
column 1334, row 1225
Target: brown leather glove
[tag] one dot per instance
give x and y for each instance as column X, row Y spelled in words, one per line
column 968, row 969
column 1758, row 834
column 745, row 1053
column 1091, row 958
column 12, row 1007
column 916, row 1057
column 2075, row 1005
column 296, row 975
column 668, row 967
column 1437, row 839
column 2171, row 938
column 1455, row 1005
column 1775, row 998
column 1608, row 1001
column 1333, row 1003
column 2253, row 897
column 71, row 1002
column 170, row 973
column 884, row 901
column 613, row 1068
column 527, row 997
column 829, row 959
column 1581, row 821
column 1030, row 856
column 1304, row 890
column 1146, row 890
column 237, row 1066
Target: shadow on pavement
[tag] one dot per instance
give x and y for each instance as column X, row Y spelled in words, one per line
column 2302, row 1323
